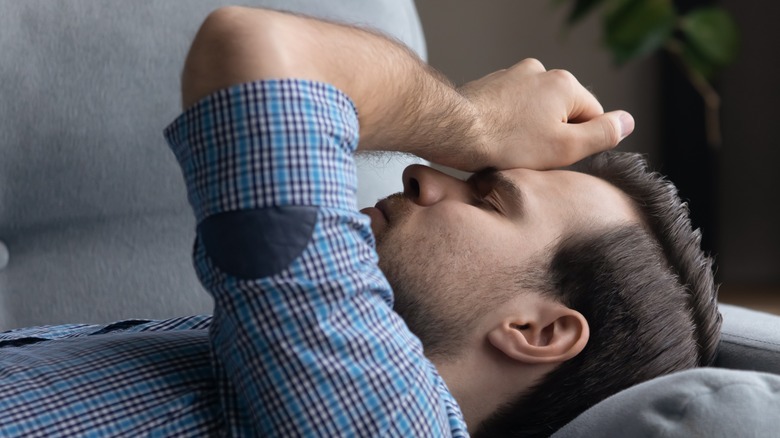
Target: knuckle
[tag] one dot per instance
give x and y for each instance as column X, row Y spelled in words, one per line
column 563, row 77
column 532, row 64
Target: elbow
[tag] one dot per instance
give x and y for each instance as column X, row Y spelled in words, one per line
column 233, row 45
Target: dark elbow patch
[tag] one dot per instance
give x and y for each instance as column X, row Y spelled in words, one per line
column 257, row 243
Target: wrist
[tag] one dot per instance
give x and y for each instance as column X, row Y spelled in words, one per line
column 477, row 135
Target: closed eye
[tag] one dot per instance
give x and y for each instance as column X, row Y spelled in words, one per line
column 494, row 201
column 485, row 203
column 492, row 190
column 484, row 194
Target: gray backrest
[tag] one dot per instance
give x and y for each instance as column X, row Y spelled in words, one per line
column 93, row 211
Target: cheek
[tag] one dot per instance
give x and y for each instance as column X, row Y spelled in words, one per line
column 463, row 249
column 461, row 243
column 424, row 248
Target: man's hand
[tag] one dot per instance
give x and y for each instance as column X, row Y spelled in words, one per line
column 541, row 119
column 520, row 117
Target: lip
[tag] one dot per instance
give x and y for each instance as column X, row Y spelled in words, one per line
column 378, row 218
column 382, row 207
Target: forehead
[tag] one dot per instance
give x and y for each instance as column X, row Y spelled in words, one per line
column 573, row 198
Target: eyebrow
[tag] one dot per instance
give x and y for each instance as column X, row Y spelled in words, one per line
column 504, row 186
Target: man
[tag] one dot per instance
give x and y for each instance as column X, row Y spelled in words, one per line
column 535, row 293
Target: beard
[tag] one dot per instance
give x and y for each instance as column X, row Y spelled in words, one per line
column 435, row 306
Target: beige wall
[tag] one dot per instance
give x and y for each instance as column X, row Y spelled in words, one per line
column 468, row 39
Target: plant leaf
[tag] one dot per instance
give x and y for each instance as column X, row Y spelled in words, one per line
column 637, row 27
column 696, row 62
column 580, row 9
column 712, row 34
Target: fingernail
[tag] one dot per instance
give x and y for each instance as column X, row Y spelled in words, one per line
column 626, row 125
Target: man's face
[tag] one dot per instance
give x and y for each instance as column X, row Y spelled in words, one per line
column 449, row 246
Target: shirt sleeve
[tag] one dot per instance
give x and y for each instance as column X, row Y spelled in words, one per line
column 304, row 338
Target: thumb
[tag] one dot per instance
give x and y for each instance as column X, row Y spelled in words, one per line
column 604, row 131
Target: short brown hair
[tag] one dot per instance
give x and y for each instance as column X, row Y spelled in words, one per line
column 648, row 293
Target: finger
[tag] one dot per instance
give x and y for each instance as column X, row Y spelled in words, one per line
column 599, row 133
column 585, row 106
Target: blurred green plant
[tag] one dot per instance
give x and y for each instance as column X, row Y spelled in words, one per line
column 702, row 41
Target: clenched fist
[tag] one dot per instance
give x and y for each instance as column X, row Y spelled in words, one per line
column 534, row 118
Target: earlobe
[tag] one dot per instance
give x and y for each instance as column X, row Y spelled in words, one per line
column 552, row 335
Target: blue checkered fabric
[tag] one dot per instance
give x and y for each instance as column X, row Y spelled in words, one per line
column 132, row 378
column 310, row 349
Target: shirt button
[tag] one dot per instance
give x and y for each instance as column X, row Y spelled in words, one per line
column 3, row 255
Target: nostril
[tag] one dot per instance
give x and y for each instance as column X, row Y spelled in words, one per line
column 413, row 188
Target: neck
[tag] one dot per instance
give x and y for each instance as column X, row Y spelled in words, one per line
column 482, row 380
column 475, row 404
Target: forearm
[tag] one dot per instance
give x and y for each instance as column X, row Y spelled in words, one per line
column 403, row 104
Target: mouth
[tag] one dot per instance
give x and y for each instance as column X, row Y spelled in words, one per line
column 378, row 218
column 385, row 213
column 382, row 207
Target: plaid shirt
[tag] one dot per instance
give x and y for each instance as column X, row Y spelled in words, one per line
column 303, row 341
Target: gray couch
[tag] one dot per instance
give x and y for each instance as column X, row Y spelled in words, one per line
column 94, row 225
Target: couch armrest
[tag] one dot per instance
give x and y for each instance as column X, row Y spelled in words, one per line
column 751, row 340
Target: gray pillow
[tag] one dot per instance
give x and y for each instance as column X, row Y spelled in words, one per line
column 705, row 402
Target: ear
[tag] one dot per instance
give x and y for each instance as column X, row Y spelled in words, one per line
column 545, row 334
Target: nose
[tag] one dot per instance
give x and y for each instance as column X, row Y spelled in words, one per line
column 426, row 186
